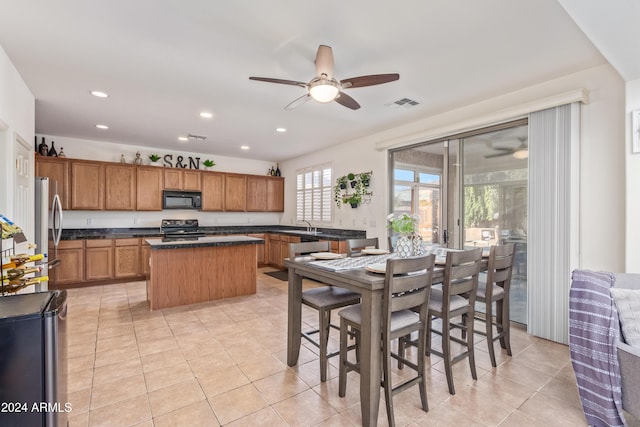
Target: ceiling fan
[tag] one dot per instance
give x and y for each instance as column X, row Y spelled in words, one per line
column 520, row 152
column 324, row 87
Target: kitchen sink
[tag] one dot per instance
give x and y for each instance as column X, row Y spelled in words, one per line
column 308, row 233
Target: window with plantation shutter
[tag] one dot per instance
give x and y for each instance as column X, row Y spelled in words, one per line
column 313, row 194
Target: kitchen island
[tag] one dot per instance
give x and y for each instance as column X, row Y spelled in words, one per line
column 189, row 271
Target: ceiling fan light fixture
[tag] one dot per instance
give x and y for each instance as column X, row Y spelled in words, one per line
column 323, row 90
column 521, row 154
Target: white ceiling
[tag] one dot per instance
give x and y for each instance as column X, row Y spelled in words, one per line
column 164, row 61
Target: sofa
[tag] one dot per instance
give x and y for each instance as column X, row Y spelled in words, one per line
column 604, row 340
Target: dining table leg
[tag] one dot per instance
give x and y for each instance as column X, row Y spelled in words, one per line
column 370, row 363
column 294, row 329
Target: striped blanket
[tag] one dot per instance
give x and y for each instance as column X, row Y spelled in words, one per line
column 593, row 334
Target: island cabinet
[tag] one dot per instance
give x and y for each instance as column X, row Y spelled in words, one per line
column 120, row 187
column 57, row 170
column 260, row 249
column 71, row 267
column 235, row 193
column 99, row 259
column 127, row 258
column 87, row 185
column 182, row 179
column 149, row 188
column 213, row 191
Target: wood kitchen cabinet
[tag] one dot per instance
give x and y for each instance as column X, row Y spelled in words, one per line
column 182, row 179
column 87, row 185
column 71, row 267
column 149, row 188
column 256, row 193
column 235, row 193
column 57, row 170
column 99, row 259
column 145, row 254
column 279, row 248
column 260, row 249
column 213, row 191
column 120, row 187
column 275, row 195
column 127, row 258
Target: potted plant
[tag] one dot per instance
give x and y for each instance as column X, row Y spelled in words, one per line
column 208, row 164
column 155, row 159
column 365, row 178
column 352, row 179
column 353, row 199
column 342, row 182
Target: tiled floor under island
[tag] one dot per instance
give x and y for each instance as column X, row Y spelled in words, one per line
column 224, row 363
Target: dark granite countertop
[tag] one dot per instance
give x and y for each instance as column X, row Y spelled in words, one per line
column 123, row 233
column 204, row 242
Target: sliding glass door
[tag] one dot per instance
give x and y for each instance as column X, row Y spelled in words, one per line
column 470, row 191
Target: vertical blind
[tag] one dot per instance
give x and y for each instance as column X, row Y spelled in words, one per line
column 553, row 218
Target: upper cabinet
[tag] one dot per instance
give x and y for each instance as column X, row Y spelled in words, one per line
column 149, row 188
column 87, row 185
column 92, row 185
column 275, row 195
column 120, row 187
column 57, row 170
column 213, row 191
column 182, row 179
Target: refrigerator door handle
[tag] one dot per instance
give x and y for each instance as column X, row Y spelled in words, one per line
column 56, row 220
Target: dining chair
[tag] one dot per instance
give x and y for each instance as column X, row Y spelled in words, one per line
column 496, row 290
column 407, row 288
column 323, row 299
column 455, row 297
column 355, row 246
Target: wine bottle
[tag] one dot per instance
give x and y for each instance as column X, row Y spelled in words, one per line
column 18, row 260
column 52, row 151
column 42, row 148
column 16, row 273
column 277, row 169
column 273, row 171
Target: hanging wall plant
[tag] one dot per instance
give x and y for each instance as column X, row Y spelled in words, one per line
column 352, row 180
column 365, row 178
column 355, row 194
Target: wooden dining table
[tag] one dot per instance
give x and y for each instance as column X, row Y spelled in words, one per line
column 370, row 286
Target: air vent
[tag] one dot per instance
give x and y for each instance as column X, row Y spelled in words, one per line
column 196, row 137
column 404, row 102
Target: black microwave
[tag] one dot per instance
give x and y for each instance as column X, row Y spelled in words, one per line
column 181, row 199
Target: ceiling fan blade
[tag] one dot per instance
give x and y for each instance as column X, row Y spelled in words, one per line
column 347, row 101
column 298, row 102
column 371, row 80
column 506, row 153
column 324, row 61
column 280, row 81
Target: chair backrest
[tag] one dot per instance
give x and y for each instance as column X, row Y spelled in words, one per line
column 355, row 246
column 305, row 248
column 407, row 285
column 461, row 274
column 500, row 268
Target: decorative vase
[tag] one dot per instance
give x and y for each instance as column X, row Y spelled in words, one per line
column 404, row 246
column 416, row 242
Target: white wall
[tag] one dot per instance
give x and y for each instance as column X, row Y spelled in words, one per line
column 602, row 242
column 17, row 119
column 632, row 258
column 110, row 152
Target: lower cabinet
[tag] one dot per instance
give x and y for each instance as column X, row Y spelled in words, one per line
column 279, row 248
column 261, row 249
column 127, row 258
column 71, row 268
column 99, row 259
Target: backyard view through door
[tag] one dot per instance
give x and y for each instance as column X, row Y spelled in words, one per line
column 470, row 191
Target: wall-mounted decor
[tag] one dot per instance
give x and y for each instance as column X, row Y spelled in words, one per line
column 635, row 129
column 353, row 189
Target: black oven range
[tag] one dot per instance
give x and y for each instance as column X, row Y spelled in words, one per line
column 180, row 229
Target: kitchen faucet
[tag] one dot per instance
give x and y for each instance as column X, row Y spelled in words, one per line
column 308, row 225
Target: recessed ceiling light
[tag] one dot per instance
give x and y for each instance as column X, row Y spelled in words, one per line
column 206, row 115
column 183, row 138
column 244, row 147
column 102, row 126
column 281, row 129
column 99, row 94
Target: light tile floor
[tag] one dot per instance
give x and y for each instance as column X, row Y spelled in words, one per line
column 224, row 363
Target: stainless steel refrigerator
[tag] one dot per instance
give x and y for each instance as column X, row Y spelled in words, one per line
column 48, row 222
column 33, row 360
